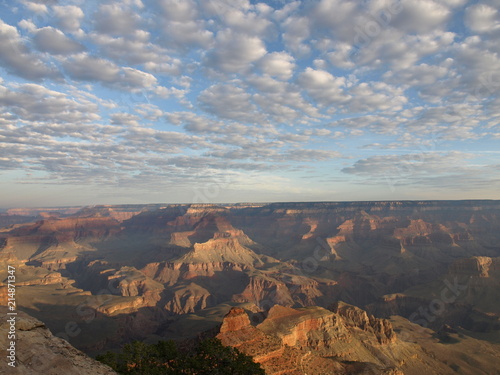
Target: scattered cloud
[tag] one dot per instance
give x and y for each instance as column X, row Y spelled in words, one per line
column 17, row 59
column 68, row 17
column 324, row 87
column 445, row 170
column 482, row 18
column 234, row 52
column 230, row 102
column 51, row 40
column 84, row 67
column 115, row 19
column 278, row 64
column 139, row 94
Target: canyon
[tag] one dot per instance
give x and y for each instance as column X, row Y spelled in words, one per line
column 346, row 287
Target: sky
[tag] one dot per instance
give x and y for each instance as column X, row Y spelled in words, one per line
column 130, row 101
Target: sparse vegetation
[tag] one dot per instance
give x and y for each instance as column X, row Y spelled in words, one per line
column 446, row 338
column 209, row 357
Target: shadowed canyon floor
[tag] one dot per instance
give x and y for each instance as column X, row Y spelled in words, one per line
column 304, row 284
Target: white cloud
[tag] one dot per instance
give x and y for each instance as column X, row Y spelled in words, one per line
column 88, row 68
column 402, row 50
column 452, row 3
column 28, row 25
column 35, row 7
column 453, row 121
column 296, row 32
column 340, row 56
column 288, row 8
column 482, row 18
column 115, row 19
column 171, row 68
column 249, row 23
column 234, row 52
column 32, row 102
column 137, row 49
column 336, row 17
column 376, row 96
column 406, row 165
column 183, row 26
column 378, row 124
column 124, row 118
column 418, row 75
column 17, row 59
column 185, row 34
column 54, row 41
column 69, row 17
column 278, row 64
column 323, row 87
column 149, row 111
column 450, row 171
column 229, row 102
column 217, row 9
column 421, row 16
column 179, row 10
column 479, row 68
column 137, row 78
column 281, row 101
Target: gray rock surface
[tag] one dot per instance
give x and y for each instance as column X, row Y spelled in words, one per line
column 40, row 352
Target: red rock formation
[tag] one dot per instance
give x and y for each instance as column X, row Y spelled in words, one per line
column 164, row 272
column 181, row 238
column 264, row 289
column 298, row 341
column 188, row 299
column 236, row 319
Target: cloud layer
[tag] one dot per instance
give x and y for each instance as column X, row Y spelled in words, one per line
column 325, row 99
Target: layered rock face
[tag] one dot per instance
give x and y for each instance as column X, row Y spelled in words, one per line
column 37, row 351
column 477, row 267
column 52, row 243
column 464, row 296
column 346, row 340
column 269, row 350
column 356, row 317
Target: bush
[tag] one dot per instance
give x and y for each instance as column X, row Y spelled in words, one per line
column 209, row 357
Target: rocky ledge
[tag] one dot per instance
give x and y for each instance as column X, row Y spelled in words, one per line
column 37, row 351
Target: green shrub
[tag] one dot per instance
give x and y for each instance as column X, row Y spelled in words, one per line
column 209, row 357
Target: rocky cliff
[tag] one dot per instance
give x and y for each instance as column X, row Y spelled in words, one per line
column 466, row 296
column 37, row 351
column 52, row 243
column 347, row 341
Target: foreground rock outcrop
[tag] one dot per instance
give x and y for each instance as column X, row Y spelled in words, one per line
column 39, row 352
column 347, row 340
column 313, row 340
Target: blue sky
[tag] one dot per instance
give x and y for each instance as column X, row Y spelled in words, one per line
column 236, row 101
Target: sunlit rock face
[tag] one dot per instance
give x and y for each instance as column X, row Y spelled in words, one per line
column 342, row 340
